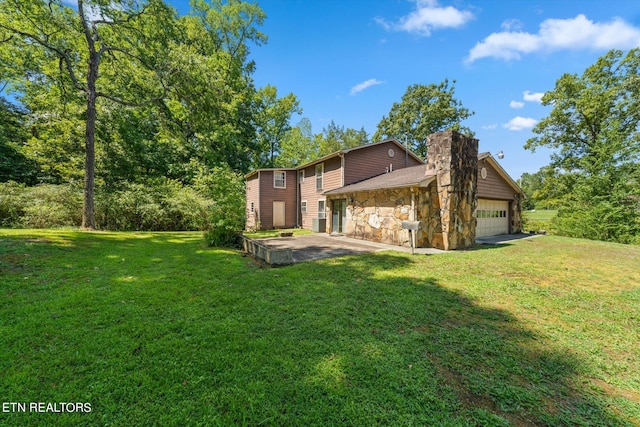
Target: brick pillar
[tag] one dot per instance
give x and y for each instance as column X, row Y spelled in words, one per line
column 455, row 160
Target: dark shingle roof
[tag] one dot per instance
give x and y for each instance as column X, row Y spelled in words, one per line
column 400, row 178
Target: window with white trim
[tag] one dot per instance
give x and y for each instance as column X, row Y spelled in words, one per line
column 303, row 206
column 279, row 179
column 319, row 173
column 321, row 212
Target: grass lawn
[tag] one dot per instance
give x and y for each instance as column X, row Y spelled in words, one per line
column 156, row 329
column 541, row 215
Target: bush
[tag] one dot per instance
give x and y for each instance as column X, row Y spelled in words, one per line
column 42, row 206
column 227, row 212
column 164, row 205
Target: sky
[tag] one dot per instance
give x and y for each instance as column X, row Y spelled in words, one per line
column 350, row 60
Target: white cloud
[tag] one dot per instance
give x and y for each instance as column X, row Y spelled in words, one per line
column 364, row 85
column 428, row 16
column 516, row 104
column 520, row 123
column 532, row 97
column 558, row 34
column 512, row 24
column 489, row 127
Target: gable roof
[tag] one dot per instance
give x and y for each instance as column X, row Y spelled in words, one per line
column 360, row 147
column 503, row 174
column 414, row 176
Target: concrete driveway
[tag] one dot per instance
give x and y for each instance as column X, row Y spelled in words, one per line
column 318, row 246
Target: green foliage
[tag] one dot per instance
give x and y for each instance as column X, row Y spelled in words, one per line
column 161, row 205
column 424, row 109
column 14, row 164
column 272, row 123
column 42, row 206
column 227, row 212
column 335, row 138
column 595, row 129
column 298, row 146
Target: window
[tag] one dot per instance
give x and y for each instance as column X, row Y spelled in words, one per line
column 279, row 179
column 303, row 206
column 301, row 176
column 321, row 212
column 319, row 172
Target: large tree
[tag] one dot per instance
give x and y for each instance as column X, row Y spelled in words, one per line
column 424, row 109
column 594, row 128
column 65, row 47
column 272, row 122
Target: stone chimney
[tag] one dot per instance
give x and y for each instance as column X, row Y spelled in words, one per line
column 454, row 157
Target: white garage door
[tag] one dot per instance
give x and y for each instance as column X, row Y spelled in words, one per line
column 493, row 217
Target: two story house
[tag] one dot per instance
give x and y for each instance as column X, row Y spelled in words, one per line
column 366, row 192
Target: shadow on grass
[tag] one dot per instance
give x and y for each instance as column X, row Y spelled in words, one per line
column 197, row 335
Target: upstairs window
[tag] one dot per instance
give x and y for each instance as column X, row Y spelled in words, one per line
column 301, row 176
column 279, row 179
column 319, row 173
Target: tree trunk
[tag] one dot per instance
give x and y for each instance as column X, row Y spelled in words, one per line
column 88, row 212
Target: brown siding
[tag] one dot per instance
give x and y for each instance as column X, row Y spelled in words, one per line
column 332, row 178
column 494, row 186
column 252, row 192
column 371, row 161
column 268, row 195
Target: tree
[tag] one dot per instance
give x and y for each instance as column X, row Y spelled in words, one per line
column 424, row 109
column 79, row 41
column 14, row 165
column 272, row 122
column 594, row 128
column 335, row 138
column 298, row 146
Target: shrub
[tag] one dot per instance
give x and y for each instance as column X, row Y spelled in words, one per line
column 42, row 206
column 163, row 205
column 227, row 211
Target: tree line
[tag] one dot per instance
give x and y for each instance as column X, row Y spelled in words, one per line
column 111, row 97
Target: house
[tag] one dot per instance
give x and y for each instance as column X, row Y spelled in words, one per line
column 368, row 191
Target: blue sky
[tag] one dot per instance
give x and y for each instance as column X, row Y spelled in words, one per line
column 350, row 60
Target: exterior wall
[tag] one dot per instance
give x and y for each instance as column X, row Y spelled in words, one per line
column 455, row 160
column 493, row 186
column 374, row 160
column 332, row 178
column 377, row 215
column 252, row 196
column 269, row 194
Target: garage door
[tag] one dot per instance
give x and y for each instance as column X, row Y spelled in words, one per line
column 493, row 217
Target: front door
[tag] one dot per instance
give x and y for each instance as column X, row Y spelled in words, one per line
column 278, row 215
column 339, row 216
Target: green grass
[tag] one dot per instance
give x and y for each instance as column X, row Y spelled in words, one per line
column 261, row 234
column 541, row 215
column 156, row 329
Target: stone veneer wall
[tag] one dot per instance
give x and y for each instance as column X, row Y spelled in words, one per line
column 455, row 160
column 516, row 215
column 377, row 216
